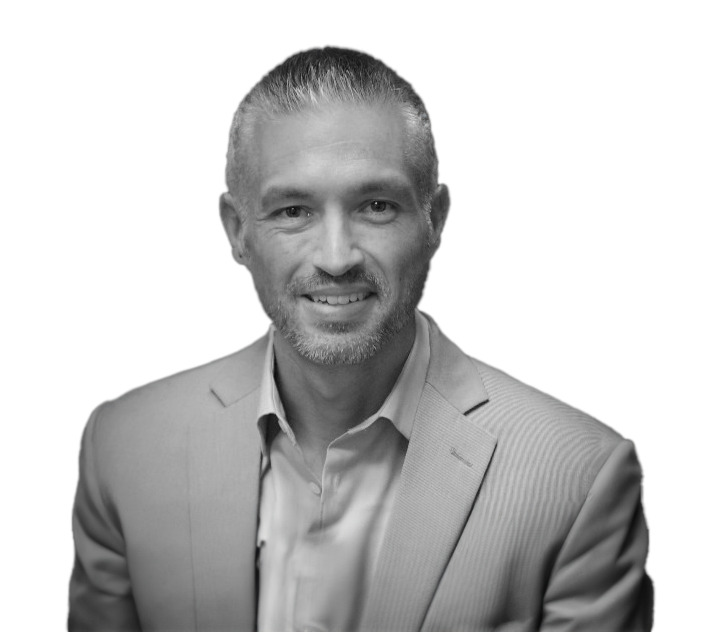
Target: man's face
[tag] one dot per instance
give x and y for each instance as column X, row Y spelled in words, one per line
column 335, row 236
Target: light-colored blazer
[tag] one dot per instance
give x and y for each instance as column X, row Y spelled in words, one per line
column 514, row 512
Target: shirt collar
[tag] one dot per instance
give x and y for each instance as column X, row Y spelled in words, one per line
column 399, row 407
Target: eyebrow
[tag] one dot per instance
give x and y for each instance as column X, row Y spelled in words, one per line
column 282, row 193
column 396, row 184
column 385, row 184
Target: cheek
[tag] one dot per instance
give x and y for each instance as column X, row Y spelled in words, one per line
column 400, row 262
column 259, row 250
column 273, row 265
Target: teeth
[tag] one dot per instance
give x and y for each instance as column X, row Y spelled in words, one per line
column 340, row 300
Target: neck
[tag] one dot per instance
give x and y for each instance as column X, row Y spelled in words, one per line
column 324, row 401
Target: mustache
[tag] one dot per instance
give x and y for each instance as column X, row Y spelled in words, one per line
column 321, row 279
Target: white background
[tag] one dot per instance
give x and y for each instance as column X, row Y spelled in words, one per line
column 582, row 144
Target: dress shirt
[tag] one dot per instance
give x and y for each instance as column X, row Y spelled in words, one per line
column 319, row 540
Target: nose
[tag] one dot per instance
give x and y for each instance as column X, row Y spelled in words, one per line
column 336, row 251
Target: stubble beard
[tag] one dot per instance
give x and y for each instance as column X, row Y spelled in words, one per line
column 346, row 343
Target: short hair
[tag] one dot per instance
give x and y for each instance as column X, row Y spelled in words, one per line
column 320, row 76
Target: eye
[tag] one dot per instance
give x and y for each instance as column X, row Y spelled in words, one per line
column 295, row 212
column 379, row 211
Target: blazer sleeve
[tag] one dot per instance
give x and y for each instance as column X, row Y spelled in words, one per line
column 100, row 589
column 598, row 581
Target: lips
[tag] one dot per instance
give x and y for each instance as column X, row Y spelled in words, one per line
column 338, row 299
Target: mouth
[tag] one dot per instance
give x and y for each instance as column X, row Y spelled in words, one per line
column 337, row 299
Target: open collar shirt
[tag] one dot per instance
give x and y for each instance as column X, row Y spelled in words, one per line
column 319, row 540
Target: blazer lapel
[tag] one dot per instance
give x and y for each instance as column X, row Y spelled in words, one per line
column 447, row 457
column 224, row 454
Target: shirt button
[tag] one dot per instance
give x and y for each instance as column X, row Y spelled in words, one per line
column 316, row 489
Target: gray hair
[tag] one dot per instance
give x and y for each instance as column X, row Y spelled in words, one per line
column 313, row 78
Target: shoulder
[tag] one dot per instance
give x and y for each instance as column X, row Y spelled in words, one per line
column 172, row 401
column 542, row 443
column 542, row 438
column 517, row 406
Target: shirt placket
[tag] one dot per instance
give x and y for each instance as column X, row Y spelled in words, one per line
column 317, row 556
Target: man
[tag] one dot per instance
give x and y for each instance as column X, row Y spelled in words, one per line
column 352, row 470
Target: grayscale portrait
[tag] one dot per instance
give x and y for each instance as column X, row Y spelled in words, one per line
column 353, row 469
column 449, row 279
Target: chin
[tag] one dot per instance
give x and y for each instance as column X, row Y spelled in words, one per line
column 338, row 348
column 344, row 343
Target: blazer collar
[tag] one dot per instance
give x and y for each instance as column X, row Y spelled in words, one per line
column 240, row 373
column 453, row 374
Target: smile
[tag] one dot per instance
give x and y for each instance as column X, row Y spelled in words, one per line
column 339, row 299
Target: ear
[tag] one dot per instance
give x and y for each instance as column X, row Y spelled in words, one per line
column 232, row 218
column 440, row 203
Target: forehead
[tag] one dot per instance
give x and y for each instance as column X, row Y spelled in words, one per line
column 331, row 144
